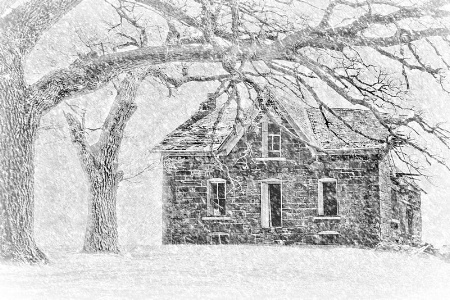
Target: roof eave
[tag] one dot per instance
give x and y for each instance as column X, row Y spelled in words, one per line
column 183, row 152
column 372, row 149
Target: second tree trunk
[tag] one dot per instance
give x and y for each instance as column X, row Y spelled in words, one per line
column 101, row 231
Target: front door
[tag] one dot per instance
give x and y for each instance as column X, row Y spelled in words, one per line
column 275, row 204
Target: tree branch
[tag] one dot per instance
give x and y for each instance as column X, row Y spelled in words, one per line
column 89, row 75
column 169, row 12
column 321, row 103
column 23, row 27
column 84, row 150
column 121, row 111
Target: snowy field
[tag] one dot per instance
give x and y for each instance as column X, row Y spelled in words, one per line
column 230, row 272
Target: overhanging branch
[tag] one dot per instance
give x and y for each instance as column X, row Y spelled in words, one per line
column 24, row 26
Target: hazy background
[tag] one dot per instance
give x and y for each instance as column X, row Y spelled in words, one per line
column 61, row 188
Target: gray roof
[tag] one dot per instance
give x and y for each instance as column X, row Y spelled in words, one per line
column 320, row 127
column 196, row 134
column 361, row 131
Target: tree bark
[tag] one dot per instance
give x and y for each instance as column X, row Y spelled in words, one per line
column 25, row 24
column 18, row 124
column 103, row 180
column 19, row 119
column 100, row 164
column 101, row 231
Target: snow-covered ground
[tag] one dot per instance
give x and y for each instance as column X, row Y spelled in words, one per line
column 230, row 272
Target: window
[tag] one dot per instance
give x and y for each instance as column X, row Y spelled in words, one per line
column 271, row 203
column 274, row 140
column 327, row 198
column 394, row 224
column 410, row 219
column 216, row 197
column 271, row 139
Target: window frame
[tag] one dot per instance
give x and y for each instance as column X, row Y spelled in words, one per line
column 266, row 136
column 270, row 141
column 320, row 198
column 210, row 201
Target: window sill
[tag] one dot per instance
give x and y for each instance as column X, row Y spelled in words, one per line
column 217, row 218
column 270, row 159
column 328, row 232
column 327, row 218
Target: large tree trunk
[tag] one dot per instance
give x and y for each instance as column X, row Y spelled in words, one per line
column 18, row 124
column 100, row 167
column 101, row 231
column 100, row 164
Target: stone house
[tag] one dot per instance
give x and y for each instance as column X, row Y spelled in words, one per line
column 288, row 174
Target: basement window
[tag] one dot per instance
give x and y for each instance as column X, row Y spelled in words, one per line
column 216, row 197
column 327, row 197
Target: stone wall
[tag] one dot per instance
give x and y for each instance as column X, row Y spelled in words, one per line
column 185, row 194
column 385, row 198
column 406, row 223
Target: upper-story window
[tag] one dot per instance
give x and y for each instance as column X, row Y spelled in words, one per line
column 271, row 139
column 216, row 197
column 274, row 140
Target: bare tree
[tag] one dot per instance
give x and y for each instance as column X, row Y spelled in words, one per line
column 99, row 162
column 19, row 119
column 260, row 44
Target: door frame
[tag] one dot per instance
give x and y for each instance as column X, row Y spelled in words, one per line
column 265, row 194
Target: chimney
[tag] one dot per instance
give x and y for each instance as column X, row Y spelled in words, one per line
column 206, row 107
column 209, row 105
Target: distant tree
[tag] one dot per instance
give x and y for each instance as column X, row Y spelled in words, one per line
column 261, row 46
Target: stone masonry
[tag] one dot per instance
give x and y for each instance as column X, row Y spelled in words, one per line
column 363, row 192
